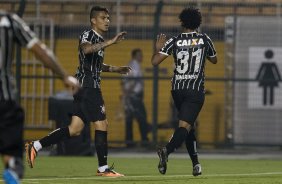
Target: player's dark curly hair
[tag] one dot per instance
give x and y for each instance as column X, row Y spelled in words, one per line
column 96, row 9
column 190, row 18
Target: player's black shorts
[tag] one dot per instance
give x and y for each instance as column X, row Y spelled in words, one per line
column 188, row 103
column 89, row 105
column 11, row 128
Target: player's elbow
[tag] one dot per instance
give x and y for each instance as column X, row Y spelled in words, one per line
column 86, row 50
column 154, row 61
column 213, row 60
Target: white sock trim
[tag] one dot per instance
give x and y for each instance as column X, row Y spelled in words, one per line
column 103, row 168
column 37, row 145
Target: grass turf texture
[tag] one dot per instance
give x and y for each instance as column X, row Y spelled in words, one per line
column 72, row 170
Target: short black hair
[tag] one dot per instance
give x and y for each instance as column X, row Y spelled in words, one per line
column 135, row 51
column 96, row 9
column 190, row 18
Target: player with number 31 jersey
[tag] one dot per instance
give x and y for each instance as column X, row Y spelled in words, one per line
column 190, row 50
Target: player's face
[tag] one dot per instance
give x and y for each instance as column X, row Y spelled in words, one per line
column 101, row 22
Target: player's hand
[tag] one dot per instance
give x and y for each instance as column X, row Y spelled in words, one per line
column 71, row 83
column 161, row 39
column 119, row 37
column 124, row 70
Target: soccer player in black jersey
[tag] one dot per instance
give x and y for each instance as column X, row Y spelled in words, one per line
column 88, row 102
column 189, row 50
column 13, row 30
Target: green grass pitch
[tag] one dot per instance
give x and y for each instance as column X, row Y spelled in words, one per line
column 74, row 170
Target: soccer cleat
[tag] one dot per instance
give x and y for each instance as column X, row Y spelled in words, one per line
column 10, row 177
column 162, row 153
column 31, row 154
column 197, row 170
column 109, row 172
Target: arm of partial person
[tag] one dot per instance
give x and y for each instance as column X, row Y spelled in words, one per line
column 48, row 59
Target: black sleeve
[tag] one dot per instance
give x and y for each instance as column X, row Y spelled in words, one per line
column 86, row 37
column 168, row 47
column 211, row 50
column 23, row 35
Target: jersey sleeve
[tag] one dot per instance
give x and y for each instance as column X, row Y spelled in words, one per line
column 23, row 34
column 168, row 47
column 211, row 49
column 85, row 37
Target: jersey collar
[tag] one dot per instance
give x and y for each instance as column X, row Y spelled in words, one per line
column 98, row 34
column 190, row 32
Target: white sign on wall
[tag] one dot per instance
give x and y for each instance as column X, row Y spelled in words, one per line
column 265, row 65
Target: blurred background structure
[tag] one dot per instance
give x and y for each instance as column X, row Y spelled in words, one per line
column 244, row 101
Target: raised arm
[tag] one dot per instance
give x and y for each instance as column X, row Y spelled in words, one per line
column 88, row 47
column 158, row 57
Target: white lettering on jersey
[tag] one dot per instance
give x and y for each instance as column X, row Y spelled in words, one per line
column 84, row 37
column 184, row 77
column 168, row 41
column 101, row 53
column 189, row 42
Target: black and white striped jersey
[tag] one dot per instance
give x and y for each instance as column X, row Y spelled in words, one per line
column 90, row 65
column 189, row 51
column 12, row 30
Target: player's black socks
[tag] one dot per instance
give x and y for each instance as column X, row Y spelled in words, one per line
column 177, row 139
column 192, row 147
column 55, row 136
column 101, row 144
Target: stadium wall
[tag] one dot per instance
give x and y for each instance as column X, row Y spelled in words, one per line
column 211, row 120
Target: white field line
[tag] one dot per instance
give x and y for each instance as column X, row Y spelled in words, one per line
column 153, row 176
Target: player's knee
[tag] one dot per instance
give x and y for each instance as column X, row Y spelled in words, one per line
column 185, row 124
column 106, row 124
column 75, row 131
column 101, row 125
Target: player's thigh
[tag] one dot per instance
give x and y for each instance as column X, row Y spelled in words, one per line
column 93, row 106
column 78, row 105
column 76, row 125
column 11, row 129
column 177, row 98
column 191, row 107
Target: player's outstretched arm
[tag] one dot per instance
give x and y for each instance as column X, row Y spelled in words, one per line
column 47, row 57
column 157, row 58
column 88, row 48
column 116, row 69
